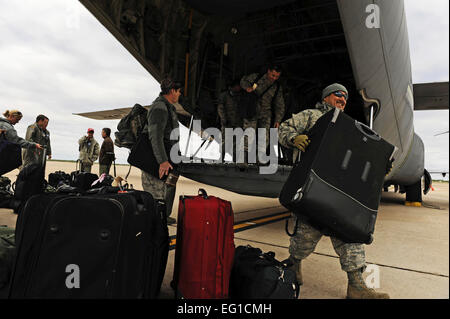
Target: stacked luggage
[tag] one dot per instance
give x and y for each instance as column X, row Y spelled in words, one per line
column 104, row 244
column 337, row 183
column 113, row 243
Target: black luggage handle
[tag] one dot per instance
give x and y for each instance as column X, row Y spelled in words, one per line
column 202, row 192
column 367, row 131
column 286, row 228
column 76, row 165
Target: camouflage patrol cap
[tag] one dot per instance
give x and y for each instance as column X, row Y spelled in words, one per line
column 333, row 88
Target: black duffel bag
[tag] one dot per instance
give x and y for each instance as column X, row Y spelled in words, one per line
column 142, row 157
column 258, row 275
column 58, row 177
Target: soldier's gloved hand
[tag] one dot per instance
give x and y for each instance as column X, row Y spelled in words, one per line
column 301, row 142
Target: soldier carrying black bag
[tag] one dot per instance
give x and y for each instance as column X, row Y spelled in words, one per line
column 293, row 133
column 151, row 153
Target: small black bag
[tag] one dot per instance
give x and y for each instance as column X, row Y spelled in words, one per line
column 258, row 275
column 58, row 177
column 82, row 180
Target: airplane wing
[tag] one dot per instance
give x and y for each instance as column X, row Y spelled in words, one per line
column 446, row 132
column 117, row 114
column 430, row 96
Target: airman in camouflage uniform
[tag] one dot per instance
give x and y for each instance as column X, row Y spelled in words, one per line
column 292, row 133
column 270, row 103
column 38, row 133
column 228, row 110
column 161, row 120
column 89, row 151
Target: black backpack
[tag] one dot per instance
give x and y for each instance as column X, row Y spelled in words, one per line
column 131, row 126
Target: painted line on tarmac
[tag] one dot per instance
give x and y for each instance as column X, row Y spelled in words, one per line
column 247, row 224
column 336, row 257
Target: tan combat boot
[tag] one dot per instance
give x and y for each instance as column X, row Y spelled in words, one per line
column 357, row 288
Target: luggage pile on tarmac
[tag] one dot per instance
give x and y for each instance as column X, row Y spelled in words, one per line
column 111, row 241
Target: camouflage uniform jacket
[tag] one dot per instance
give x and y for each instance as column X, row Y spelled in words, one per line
column 89, row 150
column 40, row 136
column 228, row 110
column 264, row 107
column 300, row 123
column 11, row 134
column 161, row 120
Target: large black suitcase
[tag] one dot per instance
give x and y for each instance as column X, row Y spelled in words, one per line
column 90, row 246
column 337, row 183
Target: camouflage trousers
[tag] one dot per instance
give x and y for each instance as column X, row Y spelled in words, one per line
column 247, row 141
column 159, row 190
column 103, row 168
column 351, row 256
column 85, row 167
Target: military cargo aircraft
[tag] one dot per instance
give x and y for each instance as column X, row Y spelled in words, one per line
column 361, row 44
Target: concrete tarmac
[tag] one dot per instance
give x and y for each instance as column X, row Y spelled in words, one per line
column 410, row 252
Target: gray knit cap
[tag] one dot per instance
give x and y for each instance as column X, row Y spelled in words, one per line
column 333, row 88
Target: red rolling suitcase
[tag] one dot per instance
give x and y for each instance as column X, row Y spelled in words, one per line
column 205, row 247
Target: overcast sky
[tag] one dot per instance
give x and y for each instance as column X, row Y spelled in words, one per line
column 57, row 59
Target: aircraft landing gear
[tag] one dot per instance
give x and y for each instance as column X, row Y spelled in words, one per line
column 414, row 194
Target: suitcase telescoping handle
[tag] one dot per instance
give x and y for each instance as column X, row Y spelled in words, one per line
column 367, row 131
column 44, row 154
column 202, row 192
